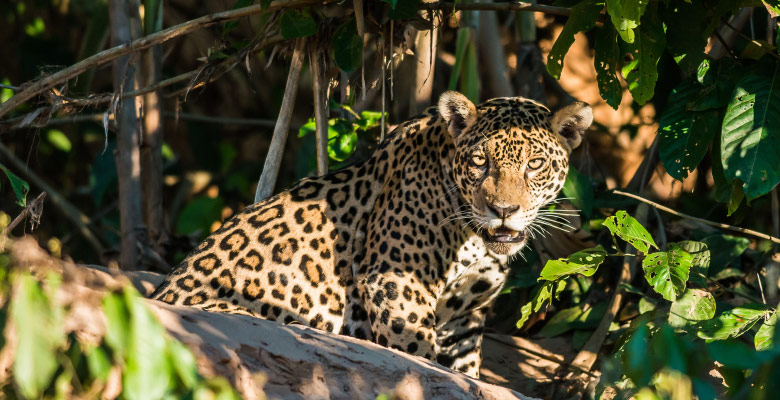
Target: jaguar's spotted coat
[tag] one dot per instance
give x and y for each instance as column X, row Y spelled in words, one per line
column 407, row 248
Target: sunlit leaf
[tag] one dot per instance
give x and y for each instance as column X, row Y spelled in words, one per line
column 579, row 190
column 58, row 139
column 543, row 294
column 642, row 74
column 629, row 229
column 700, row 263
column 732, row 323
column 667, row 271
column 625, row 15
column 147, row 371
column 694, row 305
column 583, row 262
column 750, row 142
column 583, row 17
column 685, row 37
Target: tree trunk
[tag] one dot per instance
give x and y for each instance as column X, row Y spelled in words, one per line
column 320, row 88
column 126, row 26
column 426, row 45
column 493, row 59
column 151, row 149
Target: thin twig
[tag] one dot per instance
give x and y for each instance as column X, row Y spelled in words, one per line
column 36, row 87
column 703, row 221
column 11, row 87
column 33, row 208
column 514, row 6
column 98, row 118
column 77, row 218
column 727, row 289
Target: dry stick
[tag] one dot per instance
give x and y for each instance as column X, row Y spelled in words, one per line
column 265, row 186
column 320, row 111
column 145, row 42
column 70, row 212
column 515, row 6
column 700, row 220
column 33, row 208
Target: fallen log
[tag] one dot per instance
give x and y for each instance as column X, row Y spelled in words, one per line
column 262, row 357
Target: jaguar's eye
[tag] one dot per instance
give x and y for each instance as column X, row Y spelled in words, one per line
column 536, row 163
column 478, row 159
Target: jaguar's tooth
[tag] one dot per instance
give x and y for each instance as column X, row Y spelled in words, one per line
column 515, row 233
column 492, row 231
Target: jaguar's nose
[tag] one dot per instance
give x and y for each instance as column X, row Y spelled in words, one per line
column 503, row 212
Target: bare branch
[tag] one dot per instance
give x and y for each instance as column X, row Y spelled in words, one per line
column 36, row 87
column 34, row 209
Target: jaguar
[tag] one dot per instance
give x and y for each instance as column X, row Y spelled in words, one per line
column 407, row 248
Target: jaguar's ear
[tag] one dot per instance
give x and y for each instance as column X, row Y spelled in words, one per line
column 571, row 122
column 458, row 112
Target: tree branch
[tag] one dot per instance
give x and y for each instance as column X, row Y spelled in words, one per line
column 36, row 87
column 703, row 221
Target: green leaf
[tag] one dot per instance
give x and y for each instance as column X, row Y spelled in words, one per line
column 583, row 262
column 685, row 135
column 701, row 260
column 342, row 139
column 579, row 191
column 297, row 24
column 625, row 15
column 583, row 17
column 646, row 50
column 147, row 371
column 347, row 47
column 98, row 362
column 19, row 186
column 667, row 271
column 465, row 35
column 732, row 323
column 58, row 139
column 693, row 306
column 230, row 25
column 40, row 334
column 543, row 294
column 198, row 215
column 183, row 363
column 635, row 357
column 607, row 61
column 764, row 339
column 750, row 141
column 309, row 127
column 685, row 37
column 630, row 230
column 725, row 251
column 469, row 79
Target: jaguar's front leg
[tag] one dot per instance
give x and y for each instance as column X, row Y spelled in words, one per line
column 400, row 309
column 460, row 342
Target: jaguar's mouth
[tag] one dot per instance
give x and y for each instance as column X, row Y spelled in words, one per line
column 502, row 234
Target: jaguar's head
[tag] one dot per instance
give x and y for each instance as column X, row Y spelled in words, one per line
column 511, row 159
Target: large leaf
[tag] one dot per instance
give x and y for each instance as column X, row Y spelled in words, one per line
column 579, row 190
column 543, row 294
column 764, row 339
column 750, row 142
column 630, row 230
column 347, row 46
column 725, row 251
column 732, row 323
column 198, row 215
column 625, row 15
column 667, row 271
column 693, row 306
column 734, row 354
column 718, row 78
column 685, row 135
column 18, row 185
column 583, row 262
column 583, row 17
column 296, row 24
column 607, row 61
column 642, row 73
column 39, row 331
